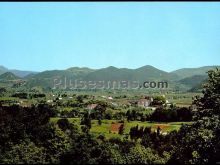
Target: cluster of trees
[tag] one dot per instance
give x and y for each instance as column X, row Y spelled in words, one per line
column 173, row 114
column 37, row 95
column 21, row 95
column 200, row 143
column 27, row 136
column 24, row 95
column 136, row 133
column 136, row 114
column 161, row 114
column 2, row 91
column 158, row 100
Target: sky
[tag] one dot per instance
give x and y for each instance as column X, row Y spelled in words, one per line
column 40, row 36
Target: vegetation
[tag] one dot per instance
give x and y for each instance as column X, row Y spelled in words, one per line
column 43, row 125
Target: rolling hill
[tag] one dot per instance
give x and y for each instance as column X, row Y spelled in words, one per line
column 193, row 80
column 183, row 79
column 18, row 73
column 189, row 72
column 8, row 76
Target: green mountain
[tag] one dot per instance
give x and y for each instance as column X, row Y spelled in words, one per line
column 151, row 73
column 193, row 80
column 18, row 73
column 21, row 73
column 146, row 73
column 182, row 79
column 109, row 74
column 193, row 83
column 140, row 74
column 198, row 87
column 3, row 70
column 79, row 71
column 189, row 72
column 8, row 76
column 52, row 77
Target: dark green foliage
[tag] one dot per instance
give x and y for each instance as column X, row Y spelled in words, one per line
column 86, row 120
column 27, row 131
column 200, row 142
column 121, row 129
column 2, row 91
column 171, row 115
column 36, row 95
column 63, row 124
column 21, row 95
column 158, row 100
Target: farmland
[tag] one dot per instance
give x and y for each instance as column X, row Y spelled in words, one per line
column 105, row 127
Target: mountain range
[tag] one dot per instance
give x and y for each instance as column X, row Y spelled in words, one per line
column 182, row 79
column 18, row 73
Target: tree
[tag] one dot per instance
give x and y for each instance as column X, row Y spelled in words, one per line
column 141, row 155
column 86, row 120
column 209, row 104
column 200, row 143
column 121, row 129
column 2, row 91
column 63, row 124
column 158, row 130
column 79, row 98
column 159, row 100
column 25, row 152
column 99, row 121
column 128, row 114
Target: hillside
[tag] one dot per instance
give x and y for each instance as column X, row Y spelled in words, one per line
column 79, row 71
column 182, row 79
column 18, row 73
column 3, row 70
column 21, row 73
column 109, row 74
column 8, row 76
column 151, row 73
column 189, row 72
column 193, row 80
column 146, row 73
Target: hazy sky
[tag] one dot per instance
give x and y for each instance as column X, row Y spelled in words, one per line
column 166, row 35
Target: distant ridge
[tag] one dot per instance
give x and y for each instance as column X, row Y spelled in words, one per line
column 3, row 69
column 18, row 73
column 184, row 79
column 189, row 72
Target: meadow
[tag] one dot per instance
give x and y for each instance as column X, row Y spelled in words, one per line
column 105, row 127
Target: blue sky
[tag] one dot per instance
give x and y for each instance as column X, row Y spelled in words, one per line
column 167, row 35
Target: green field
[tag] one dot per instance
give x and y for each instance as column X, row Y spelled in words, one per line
column 105, row 127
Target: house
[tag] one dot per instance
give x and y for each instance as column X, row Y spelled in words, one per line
column 91, row 106
column 115, row 127
column 115, row 104
column 110, row 98
column 49, row 101
column 144, row 102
